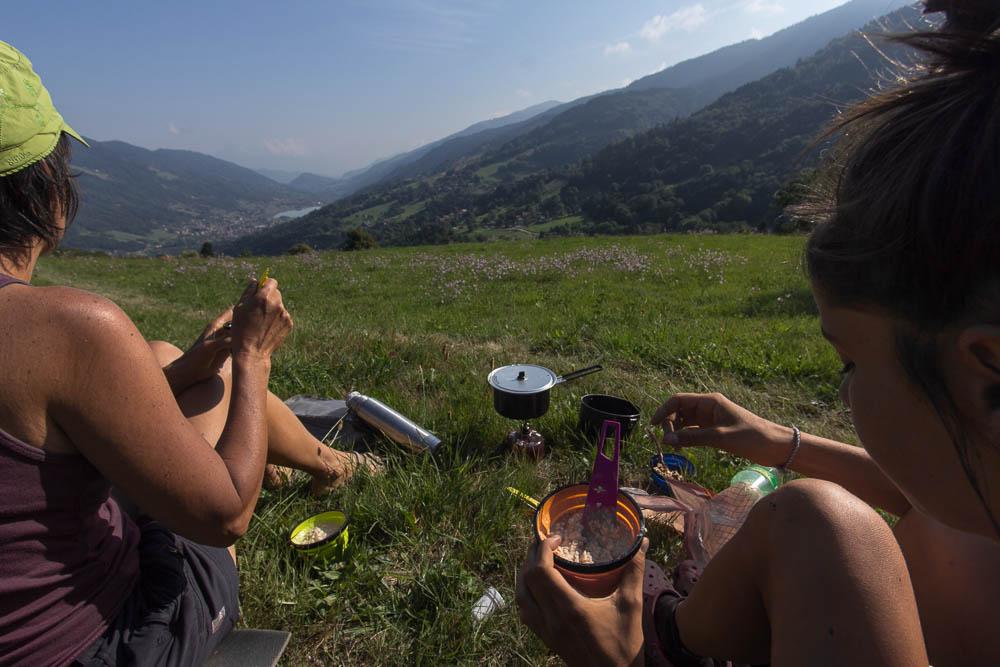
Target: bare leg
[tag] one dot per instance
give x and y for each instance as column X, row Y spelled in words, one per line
column 286, row 446
column 814, row 577
column 206, row 405
column 956, row 578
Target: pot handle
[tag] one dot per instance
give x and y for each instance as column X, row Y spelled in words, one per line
column 578, row 374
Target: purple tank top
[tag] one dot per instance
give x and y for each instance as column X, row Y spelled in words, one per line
column 68, row 555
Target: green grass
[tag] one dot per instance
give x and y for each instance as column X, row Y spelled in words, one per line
column 155, row 236
column 371, row 214
column 568, row 220
column 663, row 314
column 490, row 170
column 519, row 233
column 412, row 209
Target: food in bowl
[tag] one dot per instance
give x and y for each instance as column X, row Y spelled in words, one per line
column 602, row 540
column 666, row 473
column 317, row 533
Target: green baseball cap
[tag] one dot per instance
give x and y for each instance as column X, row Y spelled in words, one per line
column 30, row 126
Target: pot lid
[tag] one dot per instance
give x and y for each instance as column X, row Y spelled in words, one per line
column 522, row 379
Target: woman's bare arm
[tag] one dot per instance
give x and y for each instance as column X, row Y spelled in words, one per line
column 119, row 411
column 847, row 465
column 712, row 420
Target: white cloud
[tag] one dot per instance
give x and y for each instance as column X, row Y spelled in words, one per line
column 285, row 147
column 686, row 18
column 522, row 93
column 172, row 129
column 756, row 34
column 620, row 47
column 763, row 7
column 627, row 82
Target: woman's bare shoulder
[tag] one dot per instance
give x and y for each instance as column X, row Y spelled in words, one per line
column 72, row 315
column 74, row 304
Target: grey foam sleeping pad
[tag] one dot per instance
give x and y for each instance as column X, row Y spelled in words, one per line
column 249, row 648
column 330, row 420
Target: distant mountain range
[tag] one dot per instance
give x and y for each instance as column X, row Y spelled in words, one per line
column 512, row 170
column 555, row 134
column 279, row 175
column 731, row 66
column 314, row 184
column 140, row 200
column 331, row 189
column 733, row 165
column 529, row 174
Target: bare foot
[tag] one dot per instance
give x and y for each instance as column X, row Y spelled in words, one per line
column 276, row 476
column 341, row 466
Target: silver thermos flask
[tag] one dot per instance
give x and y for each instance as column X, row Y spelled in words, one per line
column 393, row 425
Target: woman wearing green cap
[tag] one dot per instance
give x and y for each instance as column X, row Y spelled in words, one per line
column 86, row 404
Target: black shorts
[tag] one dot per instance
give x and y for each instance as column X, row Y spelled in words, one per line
column 185, row 602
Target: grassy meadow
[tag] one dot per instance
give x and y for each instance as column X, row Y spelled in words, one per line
column 420, row 328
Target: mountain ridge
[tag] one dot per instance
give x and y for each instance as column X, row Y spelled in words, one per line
column 379, row 170
column 586, row 124
column 136, row 199
column 721, row 168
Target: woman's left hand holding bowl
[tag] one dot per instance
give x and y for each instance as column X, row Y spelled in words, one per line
column 582, row 630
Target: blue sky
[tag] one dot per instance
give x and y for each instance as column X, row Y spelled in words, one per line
column 330, row 86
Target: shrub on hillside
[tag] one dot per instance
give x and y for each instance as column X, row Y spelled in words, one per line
column 359, row 239
column 301, row 249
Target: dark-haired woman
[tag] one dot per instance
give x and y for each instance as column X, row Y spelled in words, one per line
column 905, row 268
column 87, row 403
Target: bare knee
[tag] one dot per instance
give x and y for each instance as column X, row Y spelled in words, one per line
column 813, row 510
column 820, row 536
column 165, row 352
column 816, row 497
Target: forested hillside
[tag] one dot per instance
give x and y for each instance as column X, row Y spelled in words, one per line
column 136, row 199
column 724, row 168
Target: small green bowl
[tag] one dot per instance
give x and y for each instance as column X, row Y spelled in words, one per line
column 333, row 546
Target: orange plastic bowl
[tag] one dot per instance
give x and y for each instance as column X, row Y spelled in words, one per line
column 592, row 579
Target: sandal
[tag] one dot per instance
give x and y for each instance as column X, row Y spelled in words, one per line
column 685, row 576
column 354, row 461
column 659, row 595
column 275, row 476
column 654, row 584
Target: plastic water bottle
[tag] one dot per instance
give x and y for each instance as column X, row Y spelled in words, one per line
column 719, row 519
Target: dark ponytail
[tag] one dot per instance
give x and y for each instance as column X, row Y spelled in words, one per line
column 971, row 16
column 907, row 214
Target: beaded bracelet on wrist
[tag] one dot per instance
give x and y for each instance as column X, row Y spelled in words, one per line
column 796, row 443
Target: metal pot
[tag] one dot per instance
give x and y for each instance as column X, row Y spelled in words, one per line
column 521, row 391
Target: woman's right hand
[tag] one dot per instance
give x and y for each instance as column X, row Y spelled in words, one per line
column 260, row 321
column 712, row 420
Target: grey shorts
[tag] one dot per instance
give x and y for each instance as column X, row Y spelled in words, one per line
column 185, row 602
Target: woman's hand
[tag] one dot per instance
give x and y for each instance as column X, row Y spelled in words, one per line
column 712, row 420
column 260, row 321
column 205, row 356
column 582, row 630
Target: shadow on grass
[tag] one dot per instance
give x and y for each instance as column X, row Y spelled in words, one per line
column 784, row 303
